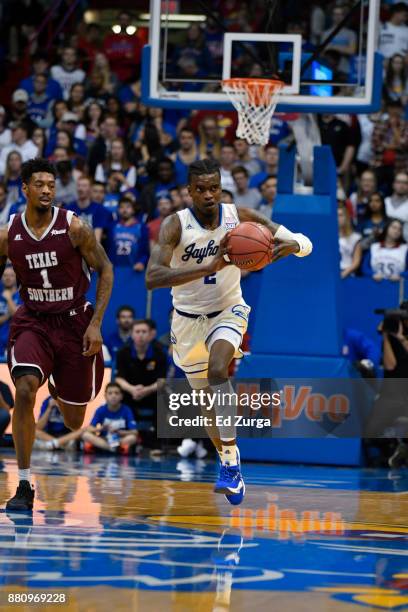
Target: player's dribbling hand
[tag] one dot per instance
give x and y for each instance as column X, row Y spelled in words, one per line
column 92, row 343
column 283, row 248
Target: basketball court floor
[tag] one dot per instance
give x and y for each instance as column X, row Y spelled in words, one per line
column 115, row 533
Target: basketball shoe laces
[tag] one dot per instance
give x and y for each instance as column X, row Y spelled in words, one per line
column 229, row 472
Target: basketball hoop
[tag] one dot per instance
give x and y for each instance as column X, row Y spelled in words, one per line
column 255, row 101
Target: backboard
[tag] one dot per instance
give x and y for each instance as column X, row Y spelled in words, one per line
column 336, row 69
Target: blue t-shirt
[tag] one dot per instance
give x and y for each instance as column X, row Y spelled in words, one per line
column 96, row 215
column 55, row 426
column 130, row 244
column 119, row 419
column 5, row 327
column 53, row 90
column 38, row 111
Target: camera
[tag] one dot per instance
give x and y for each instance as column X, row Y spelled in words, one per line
column 392, row 317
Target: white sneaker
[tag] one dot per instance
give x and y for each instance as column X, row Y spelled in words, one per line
column 187, row 447
column 200, row 451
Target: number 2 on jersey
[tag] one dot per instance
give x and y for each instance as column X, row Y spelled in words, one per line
column 210, row 279
column 46, row 283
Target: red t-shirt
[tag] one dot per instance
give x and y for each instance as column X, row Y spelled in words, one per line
column 154, row 229
column 123, row 53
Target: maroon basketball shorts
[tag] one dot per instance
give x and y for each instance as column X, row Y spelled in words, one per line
column 53, row 343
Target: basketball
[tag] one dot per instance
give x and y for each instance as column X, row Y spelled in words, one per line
column 250, row 246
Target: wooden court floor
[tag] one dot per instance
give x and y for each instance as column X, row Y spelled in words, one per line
column 110, row 533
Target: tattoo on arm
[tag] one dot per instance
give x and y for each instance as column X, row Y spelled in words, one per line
column 83, row 237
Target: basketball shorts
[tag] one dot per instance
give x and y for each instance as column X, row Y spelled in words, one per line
column 53, row 343
column 192, row 338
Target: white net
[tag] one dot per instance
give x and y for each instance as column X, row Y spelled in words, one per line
column 255, row 102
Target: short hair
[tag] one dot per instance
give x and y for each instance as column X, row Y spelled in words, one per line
column 228, row 193
column 240, row 170
column 32, row 166
column 152, row 324
column 140, row 322
column 113, row 385
column 399, row 7
column 187, row 129
column 267, row 179
column 98, row 184
column 203, row 166
column 124, row 308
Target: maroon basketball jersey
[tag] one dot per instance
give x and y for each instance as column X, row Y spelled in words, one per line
column 51, row 273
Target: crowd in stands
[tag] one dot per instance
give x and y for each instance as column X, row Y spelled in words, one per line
column 123, row 166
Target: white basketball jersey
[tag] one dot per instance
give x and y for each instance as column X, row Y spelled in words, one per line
column 197, row 247
column 388, row 261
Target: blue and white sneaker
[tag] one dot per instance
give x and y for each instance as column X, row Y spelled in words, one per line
column 231, row 483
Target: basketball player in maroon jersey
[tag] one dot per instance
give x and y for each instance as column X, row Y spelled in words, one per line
column 56, row 334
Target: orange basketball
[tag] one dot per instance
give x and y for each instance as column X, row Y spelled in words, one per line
column 250, row 246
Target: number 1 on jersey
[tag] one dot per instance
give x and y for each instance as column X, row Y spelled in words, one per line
column 46, row 283
column 210, row 279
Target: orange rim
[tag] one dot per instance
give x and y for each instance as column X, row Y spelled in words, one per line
column 260, row 91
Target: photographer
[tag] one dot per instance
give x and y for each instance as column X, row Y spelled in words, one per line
column 391, row 407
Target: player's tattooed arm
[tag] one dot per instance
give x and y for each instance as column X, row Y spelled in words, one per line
column 286, row 242
column 83, row 238
column 3, row 249
column 159, row 274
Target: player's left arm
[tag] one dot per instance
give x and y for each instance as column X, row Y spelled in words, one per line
column 83, row 237
column 286, row 242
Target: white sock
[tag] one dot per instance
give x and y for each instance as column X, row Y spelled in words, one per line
column 24, row 475
column 229, row 455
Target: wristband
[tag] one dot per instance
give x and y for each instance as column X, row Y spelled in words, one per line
column 305, row 245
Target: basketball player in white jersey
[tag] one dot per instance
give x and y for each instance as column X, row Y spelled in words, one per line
column 210, row 316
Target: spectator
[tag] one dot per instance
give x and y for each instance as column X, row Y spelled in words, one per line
column 89, row 43
column 70, row 123
column 19, row 103
column 113, row 426
column 389, row 143
column 138, row 370
column 387, row 258
column 396, row 80
column 209, row 142
column 396, row 205
column 243, row 195
column 176, row 200
column 5, row 132
column 123, row 50
column 12, row 177
column 40, row 65
column 339, row 136
column 364, row 156
column 227, row 197
column 394, row 32
column 9, row 302
column 65, row 185
column 344, row 42
column 118, row 164
column 97, row 154
column 367, row 185
column 50, row 431
column 67, row 73
column 98, row 192
column 110, row 80
column 40, row 141
column 39, row 103
column 6, row 404
column 161, row 183
column 4, row 206
column 76, row 100
column 228, row 159
column 130, row 238
column 92, row 213
column 252, row 164
column 21, row 144
column 270, row 169
column 164, row 209
column 125, row 316
column 373, row 222
column 185, row 155
column 185, row 196
column 268, row 191
column 93, row 116
column 349, row 243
